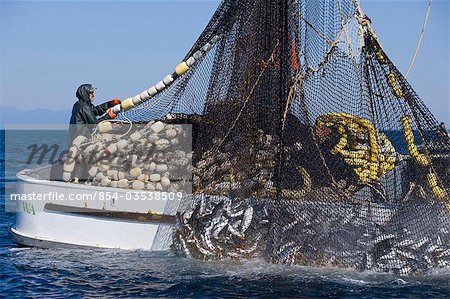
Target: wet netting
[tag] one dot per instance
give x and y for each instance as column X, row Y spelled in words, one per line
column 309, row 145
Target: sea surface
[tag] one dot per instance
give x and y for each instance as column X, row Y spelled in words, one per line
column 57, row 273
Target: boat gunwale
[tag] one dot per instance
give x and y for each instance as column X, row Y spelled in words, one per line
column 24, row 176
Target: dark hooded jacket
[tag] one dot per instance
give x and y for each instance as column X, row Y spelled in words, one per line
column 84, row 113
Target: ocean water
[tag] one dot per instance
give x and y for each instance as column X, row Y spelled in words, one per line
column 56, row 273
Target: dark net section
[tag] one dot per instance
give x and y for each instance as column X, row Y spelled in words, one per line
column 309, row 146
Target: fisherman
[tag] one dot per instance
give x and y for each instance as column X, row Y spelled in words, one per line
column 84, row 113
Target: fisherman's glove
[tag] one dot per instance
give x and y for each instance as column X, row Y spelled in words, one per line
column 114, row 102
column 111, row 113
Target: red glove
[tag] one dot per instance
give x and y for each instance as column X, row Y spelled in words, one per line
column 114, row 102
column 111, row 113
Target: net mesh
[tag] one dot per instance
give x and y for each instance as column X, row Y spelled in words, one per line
column 309, row 146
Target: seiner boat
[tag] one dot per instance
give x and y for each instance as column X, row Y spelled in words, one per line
column 121, row 222
column 309, row 147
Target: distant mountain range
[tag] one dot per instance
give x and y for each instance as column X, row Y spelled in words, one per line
column 14, row 116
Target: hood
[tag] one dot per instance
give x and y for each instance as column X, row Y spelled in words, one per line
column 83, row 93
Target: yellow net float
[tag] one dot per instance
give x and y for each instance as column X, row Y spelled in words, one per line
column 127, row 104
column 181, row 68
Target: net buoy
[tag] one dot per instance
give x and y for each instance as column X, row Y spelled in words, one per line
column 206, row 47
column 168, row 80
column 127, row 104
column 105, row 127
column 152, row 91
column 116, row 109
column 137, row 99
column 198, row 55
column 69, row 165
column 144, row 95
column 79, row 140
column 67, row 176
column 181, row 68
column 190, row 62
column 160, row 86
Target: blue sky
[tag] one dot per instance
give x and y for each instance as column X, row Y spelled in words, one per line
column 49, row 48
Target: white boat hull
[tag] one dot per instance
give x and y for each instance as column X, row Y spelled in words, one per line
column 37, row 225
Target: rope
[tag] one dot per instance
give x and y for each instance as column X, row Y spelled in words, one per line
column 420, row 39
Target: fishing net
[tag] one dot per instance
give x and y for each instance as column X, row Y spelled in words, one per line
column 309, row 146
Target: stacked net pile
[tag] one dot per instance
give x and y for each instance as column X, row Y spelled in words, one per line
column 309, row 146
